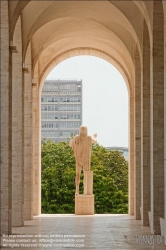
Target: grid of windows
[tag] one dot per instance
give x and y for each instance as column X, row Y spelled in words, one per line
column 55, row 116
column 61, row 109
column 49, row 133
column 67, row 134
column 61, row 124
column 45, row 107
column 63, row 86
column 70, row 99
column 49, row 98
column 70, row 108
column 54, row 134
column 69, row 124
column 49, row 107
column 70, row 117
column 47, row 116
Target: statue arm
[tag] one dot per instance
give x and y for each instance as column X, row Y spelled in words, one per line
column 94, row 139
column 71, row 143
column 74, row 141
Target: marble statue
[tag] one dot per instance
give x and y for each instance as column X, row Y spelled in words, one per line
column 82, row 145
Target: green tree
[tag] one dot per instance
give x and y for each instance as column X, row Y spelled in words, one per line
column 58, row 179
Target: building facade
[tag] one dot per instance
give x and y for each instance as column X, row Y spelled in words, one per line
column 61, row 109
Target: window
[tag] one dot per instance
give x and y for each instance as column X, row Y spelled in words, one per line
column 50, row 108
column 44, row 116
column 43, row 99
column 44, row 125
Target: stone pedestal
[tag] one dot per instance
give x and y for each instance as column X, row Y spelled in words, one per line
column 84, row 204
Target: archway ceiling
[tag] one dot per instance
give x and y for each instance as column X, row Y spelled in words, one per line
column 61, row 36
column 98, row 12
column 62, row 45
column 69, row 27
column 17, row 6
column 59, row 25
column 128, row 14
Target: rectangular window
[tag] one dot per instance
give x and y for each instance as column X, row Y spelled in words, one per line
column 50, row 108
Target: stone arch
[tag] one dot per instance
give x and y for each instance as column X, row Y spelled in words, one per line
column 128, row 80
column 127, row 76
column 85, row 51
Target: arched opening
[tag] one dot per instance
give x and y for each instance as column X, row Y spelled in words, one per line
column 103, row 81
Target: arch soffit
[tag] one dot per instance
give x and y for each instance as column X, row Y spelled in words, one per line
column 84, row 51
column 16, row 8
column 21, row 5
column 50, row 33
column 58, row 48
column 43, row 18
column 146, row 9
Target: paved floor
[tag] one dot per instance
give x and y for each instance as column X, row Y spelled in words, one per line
column 107, row 232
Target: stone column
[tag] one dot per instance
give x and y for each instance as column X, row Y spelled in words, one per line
column 145, row 132
column 157, row 119
column 17, row 130
column 5, row 126
column 131, row 153
column 36, row 144
column 28, row 170
column 164, row 6
column 137, row 137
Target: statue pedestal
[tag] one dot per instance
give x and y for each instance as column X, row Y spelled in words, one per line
column 84, row 204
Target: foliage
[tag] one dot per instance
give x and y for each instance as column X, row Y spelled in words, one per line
column 58, row 179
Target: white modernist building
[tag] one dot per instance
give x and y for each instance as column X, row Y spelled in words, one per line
column 61, row 109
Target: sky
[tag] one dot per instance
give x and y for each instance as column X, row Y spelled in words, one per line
column 105, row 97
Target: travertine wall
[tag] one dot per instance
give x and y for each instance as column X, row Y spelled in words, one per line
column 164, row 5
column 36, row 145
column 137, row 137
column 145, row 129
column 5, row 142
column 17, row 130
column 131, row 153
column 28, row 167
column 157, row 119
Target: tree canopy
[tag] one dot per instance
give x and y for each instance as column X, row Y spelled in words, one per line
column 110, row 179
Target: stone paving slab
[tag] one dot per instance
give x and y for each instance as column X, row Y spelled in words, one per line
column 94, row 232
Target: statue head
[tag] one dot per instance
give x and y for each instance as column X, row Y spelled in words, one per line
column 83, row 131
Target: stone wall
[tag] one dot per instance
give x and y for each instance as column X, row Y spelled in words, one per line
column 145, row 129
column 28, row 164
column 5, row 126
column 36, row 145
column 17, row 130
